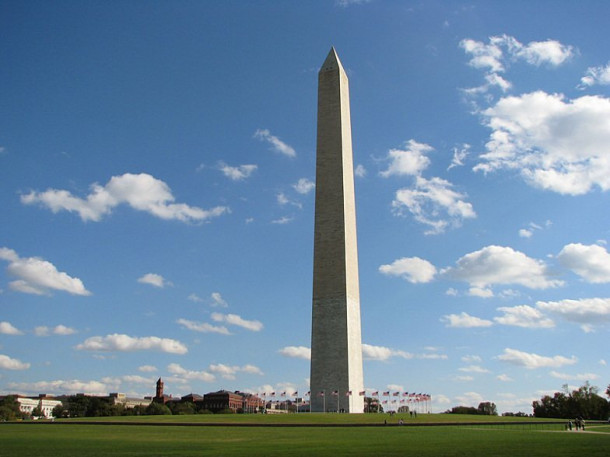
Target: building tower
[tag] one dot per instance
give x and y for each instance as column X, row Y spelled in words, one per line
column 336, row 345
column 159, row 389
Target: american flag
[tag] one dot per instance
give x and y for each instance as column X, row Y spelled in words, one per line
column 396, row 394
column 335, row 392
column 387, row 394
column 361, row 393
column 375, row 394
column 348, row 393
column 405, row 394
column 308, row 393
column 296, row 394
column 321, row 393
column 272, row 394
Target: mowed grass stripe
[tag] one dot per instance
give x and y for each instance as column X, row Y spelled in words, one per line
column 119, row 441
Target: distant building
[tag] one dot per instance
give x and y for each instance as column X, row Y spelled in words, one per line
column 234, row 401
column 128, row 402
column 160, row 397
column 44, row 402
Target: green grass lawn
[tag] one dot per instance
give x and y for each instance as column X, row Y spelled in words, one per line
column 462, row 440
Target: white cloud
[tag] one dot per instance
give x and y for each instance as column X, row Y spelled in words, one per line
column 63, row 330
column 217, row 300
column 360, row 171
column 382, row 353
column 304, row 186
column 470, row 399
column 237, row 173
column 412, row 269
column 434, row 203
column 154, row 280
column 147, row 368
column 496, row 56
column 576, row 377
column 410, row 161
column 525, row 233
column 8, row 363
column 504, row 378
column 195, row 298
column 532, row 361
column 459, row 155
column 229, row 372
column 7, row 328
column 524, row 316
column 502, row 265
column 480, row 292
column 203, row 327
column 282, row 220
column 464, row 320
column 142, row 192
column 72, row 386
column 282, row 200
column 277, row 145
column 471, row 359
column 556, row 144
column 299, row 352
column 125, row 343
column 588, row 312
column 474, row 369
column 234, row 319
column 38, row 276
column 590, row 262
column 57, row 330
column 177, row 370
column 596, row 75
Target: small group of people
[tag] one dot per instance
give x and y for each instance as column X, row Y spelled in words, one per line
column 579, row 423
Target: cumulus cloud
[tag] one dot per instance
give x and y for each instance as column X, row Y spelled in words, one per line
column 524, row 316
column 277, row 145
column 433, row 202
column 299, row 352
column 410, row 161
column 303, row 186
column 7, row 328
column 147, row 368
column 8, row 363
column 588, row 312
column 203, row 327
column 555, row 144
column 382, row 353
column 234, row 319
column 154, row 279
column 464, row 320
column 38, row 276
column 360, row 171
column 71, row 386
column 237, row 173
column 229, row 372
column 592, row 263
column 142, row 192
column 596, row 75
column 532, row 361
column 502, row 265
column 499, row 52
column 125, row 343
column 412, row 269
column 177, row 370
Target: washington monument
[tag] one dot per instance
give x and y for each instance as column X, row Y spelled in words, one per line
column 336, row 344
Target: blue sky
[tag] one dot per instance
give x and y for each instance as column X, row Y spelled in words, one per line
column 157, row 168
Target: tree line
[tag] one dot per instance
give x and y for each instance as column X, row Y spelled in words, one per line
column 584, row 402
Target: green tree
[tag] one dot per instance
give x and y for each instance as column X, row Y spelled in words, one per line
column 9, row 409
column 157, row 409
column 583, row 402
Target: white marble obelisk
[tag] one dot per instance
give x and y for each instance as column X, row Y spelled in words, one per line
column 336, row 345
